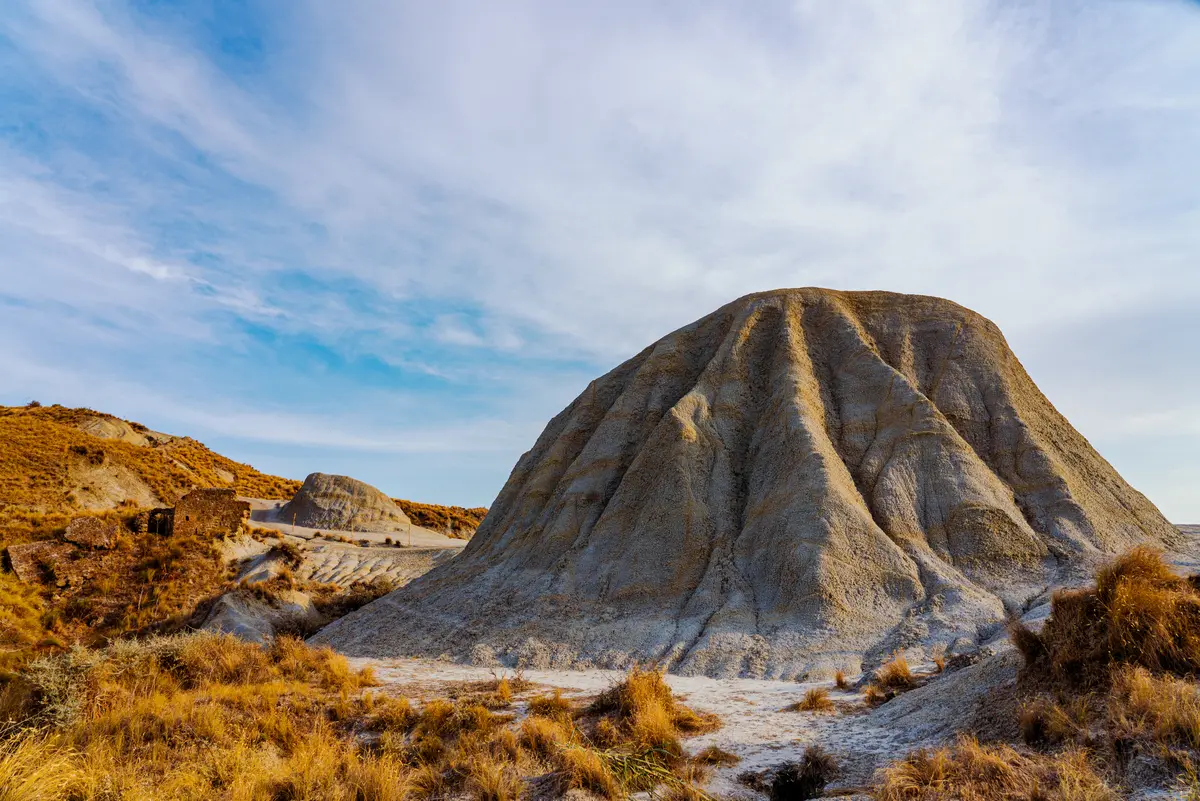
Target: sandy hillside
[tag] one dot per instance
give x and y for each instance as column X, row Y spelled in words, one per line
column 802, row 481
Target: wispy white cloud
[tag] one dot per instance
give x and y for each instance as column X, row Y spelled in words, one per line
column 444, row 185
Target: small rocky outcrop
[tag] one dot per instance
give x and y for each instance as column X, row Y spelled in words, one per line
column 259, row 617
column 342, row 503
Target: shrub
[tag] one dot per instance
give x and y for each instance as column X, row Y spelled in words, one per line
column 815, row 700
column 796, row 781
column 582, row 768
column 643, row 704
column 896, row 674
column 543, row 736
column 938, row 657
column 717, row 756
column 552, row 705
column 1044, row 722
column 971, row 770
column 1139, row 613
column 839, row 680
column 1166, row 709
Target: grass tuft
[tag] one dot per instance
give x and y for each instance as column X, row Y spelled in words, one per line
column 896, row 674
column 815, row 700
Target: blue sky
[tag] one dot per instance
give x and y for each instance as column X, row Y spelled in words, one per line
column 392, row 239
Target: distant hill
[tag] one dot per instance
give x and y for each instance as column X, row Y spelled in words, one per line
column 453, row 521
column 56, row 462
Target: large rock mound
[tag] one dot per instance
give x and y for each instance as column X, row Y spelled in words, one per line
column 344, row 504
column 801, row 481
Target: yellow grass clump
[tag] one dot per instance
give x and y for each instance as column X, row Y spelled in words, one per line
column 969, row 770
column 815, row 700
column 1139, row 613
column 454, row 521
column 896, row 674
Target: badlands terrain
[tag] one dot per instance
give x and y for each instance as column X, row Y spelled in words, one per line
column 815, row 544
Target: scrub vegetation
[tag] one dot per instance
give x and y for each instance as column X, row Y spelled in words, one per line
column 206, row 716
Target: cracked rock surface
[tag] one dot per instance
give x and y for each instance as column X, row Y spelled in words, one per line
column 802, row 481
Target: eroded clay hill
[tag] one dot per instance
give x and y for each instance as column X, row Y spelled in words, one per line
column 801, row 481
column 344, row 504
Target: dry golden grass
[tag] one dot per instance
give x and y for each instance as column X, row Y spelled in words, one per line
column 939, row 658
column 206, row 716
column 1045, row 722
column 1139, row 613
column 22, row 626
column 815, row 700
column 840, row 681
column 552, row 705
column 970, row 771
column 717, row 756
column 454, row 521
column 35, row 769
column 896, row 674
column 39, row 446
column 1166, row 709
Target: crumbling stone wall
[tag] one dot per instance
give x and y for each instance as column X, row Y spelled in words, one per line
column 91, row 532
column 155, row 521
column 210, row 513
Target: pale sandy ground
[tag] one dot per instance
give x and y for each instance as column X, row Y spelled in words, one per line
column 263, row 513
column 755, row 726
column 344, row 563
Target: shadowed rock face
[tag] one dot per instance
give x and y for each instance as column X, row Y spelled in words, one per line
column 342, row 503
column 801, row 481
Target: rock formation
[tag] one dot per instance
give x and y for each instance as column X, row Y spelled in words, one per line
column 799, row 482
column 344, row 504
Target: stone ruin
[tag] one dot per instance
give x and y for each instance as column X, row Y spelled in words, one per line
column 59, row 562
column 204, row 513
column 209, row 513
column 91, row 532
column 155, row 521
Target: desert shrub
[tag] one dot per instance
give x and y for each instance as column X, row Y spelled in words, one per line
column 1042, row 721
column 291, row 553
column 643, row 704
column 492, row 779
column 895, row 674
column 1164, row 709
column 796, row 781
column 395, row 714
column 1139, row 613
column 840, row 681
column 969, row 770
column 581, row 768
column 712, row 755
column 815, row 700
column 938, row 657
column 543, row 736
column 874, row 695
column 552, row 705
